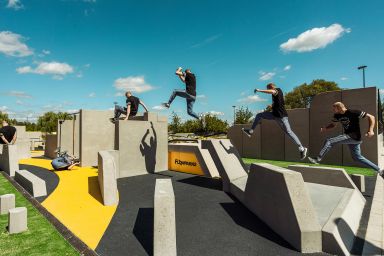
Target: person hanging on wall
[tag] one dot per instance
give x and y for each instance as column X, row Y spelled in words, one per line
column 131, row 108
column 8, row 133
column 279, row 114
column 350, row 120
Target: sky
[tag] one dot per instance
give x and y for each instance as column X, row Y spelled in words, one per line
column 66, row 55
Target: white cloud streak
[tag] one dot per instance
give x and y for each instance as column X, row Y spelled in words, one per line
column 12, row 44
column 15, row 4
column 133, row 83
column 56, row 69
column 251, row 99
column 264, row 76
column 315, row 38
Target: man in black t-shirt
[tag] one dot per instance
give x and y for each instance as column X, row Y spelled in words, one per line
column 131, row 109
column 279, row 114
column 350, row 120
column 8, row 134
column 189, row 93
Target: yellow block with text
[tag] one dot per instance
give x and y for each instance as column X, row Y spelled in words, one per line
column 184, row 162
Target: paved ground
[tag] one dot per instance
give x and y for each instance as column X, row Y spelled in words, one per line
column 208, row 221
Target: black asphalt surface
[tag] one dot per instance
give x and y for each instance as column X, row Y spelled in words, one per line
column 50, row 177
column 208, row 221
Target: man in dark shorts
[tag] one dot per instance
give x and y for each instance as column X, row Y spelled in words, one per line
column 350, row 120
column 8, row 134
column 279, row 114
column 189, row 93
column 131, row 109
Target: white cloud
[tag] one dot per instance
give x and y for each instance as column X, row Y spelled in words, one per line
column 381, row 92
column 89, row 1
column 344, row 78
column 159, row 108
column 215, row 113
column 315, row 38
column 133, row 84
column 264, row 76
column 201, row 96
column 92, row 95
column 3, row 108
column 15, row 4
column 56, row 69
column 251, row 99
column 12, row 44
column 288, row 67
column 18, row 94
column 207, row 41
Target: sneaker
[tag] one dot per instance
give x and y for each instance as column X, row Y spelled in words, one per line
column 202, row 120
column 113, row 120
column 303, row 154
column 313, row 160
column 247, row 132
column 166, row 105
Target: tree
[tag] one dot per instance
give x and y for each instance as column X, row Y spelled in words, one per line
column 48, row 121
column 175, row 125
column 301, row 96
column 4, row 116
column 243, row 116
column 213, row 124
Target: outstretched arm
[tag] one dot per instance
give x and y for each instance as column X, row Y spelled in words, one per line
column 128, row 112
column 145, row 107
column 180, row 74
column 328, row 127
column 371, row 121
column 154, row 131
column 269, row 91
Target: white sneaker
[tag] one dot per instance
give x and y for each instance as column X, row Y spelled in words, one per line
column 303, row 154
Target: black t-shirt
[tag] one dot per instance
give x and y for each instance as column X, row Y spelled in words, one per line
column 8, row 132
column 190, row 82
column 351, row 122
column 134, row 102
column 278, row 104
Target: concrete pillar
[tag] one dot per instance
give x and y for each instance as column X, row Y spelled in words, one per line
column 7, row 202
column 17, row 220
column 359, row 181
column 164, row 237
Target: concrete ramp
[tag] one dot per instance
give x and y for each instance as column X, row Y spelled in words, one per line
column 228, row 163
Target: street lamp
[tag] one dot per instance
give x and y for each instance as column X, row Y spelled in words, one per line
column 234, row 115
column 363, row 67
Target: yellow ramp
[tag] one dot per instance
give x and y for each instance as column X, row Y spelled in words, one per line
column 77, row 202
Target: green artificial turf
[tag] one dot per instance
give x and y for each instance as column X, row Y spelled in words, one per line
column 41, row 238
column 349, row 169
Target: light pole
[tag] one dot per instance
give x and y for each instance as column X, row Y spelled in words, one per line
column 234, row 115
column 363, row 67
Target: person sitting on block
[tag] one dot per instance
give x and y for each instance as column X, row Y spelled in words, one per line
column 131, row 109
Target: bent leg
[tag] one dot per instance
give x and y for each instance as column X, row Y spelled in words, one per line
column 180, row 93
column 286, row 127
column 190, row 111
column 330, row 142
column 118, row 111
column 260, row 116
column 356, row 155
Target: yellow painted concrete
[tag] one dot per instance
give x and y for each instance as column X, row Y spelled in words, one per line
column 186, row 162
column 77, row 202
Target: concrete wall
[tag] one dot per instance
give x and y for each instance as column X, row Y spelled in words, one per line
column 143, row 148
column 50, row 145
column 97, row 133
column 9, row 159
column 269, row 142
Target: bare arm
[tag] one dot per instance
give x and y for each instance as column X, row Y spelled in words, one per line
column 371, row 121
column 4, row 139
column 128, row 112
column 14, row 138
column 328, row 127
column 180, row 74
column 271, row 91
column 145, row 107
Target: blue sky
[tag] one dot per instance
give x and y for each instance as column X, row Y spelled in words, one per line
column 72, row 54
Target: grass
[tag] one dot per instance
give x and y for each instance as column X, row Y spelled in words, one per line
column 41, row 238
column 349, row 169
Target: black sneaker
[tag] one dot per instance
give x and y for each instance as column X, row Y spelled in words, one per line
column 303, row 154
column 247, row 132
column 166, row 105
column 313, row 160
column 113, row 120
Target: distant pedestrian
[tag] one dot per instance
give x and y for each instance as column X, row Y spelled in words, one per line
column 8, row 133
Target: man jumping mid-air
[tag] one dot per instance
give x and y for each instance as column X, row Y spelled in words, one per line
column 350, row 120
column 279, row 114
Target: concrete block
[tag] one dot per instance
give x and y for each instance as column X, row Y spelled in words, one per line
column 280, row 198
column 17, row 220
column 50, row 146
column 164, row 236
column 252, row 146
column 150, row 116
column 359, row 181
column 227, row 160
column 143, row 148
column 324, row 175
column 236, row 137
column 30, row 182
column 97, row 133
column 108, row 162
column 7, row 202
column 23, row 148
column 162, row 119
column 299, row 121
column 9, row 159
column 272, row 141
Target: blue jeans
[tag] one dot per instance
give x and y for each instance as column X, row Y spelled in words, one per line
column 121, row 110
column 190, row 101
column 354, row 146
column 282, row 122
